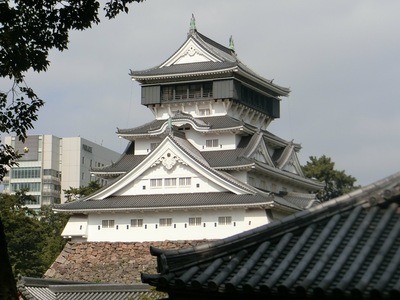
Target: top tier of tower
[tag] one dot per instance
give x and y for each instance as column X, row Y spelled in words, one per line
column 205, row 78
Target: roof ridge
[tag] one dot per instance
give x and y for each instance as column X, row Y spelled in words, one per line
column 214, row 43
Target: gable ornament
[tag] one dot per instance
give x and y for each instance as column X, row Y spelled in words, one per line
column 168, row 160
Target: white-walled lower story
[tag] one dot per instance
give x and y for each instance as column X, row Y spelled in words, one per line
column 168, row 225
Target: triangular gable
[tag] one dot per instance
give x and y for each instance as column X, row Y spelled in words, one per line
column 191, row 52
column 289, row 161
column 258, row 151
column 168, row 155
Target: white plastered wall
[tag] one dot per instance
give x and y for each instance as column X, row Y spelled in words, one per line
column 242, row 220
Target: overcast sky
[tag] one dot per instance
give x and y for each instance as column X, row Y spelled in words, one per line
column 340, row 59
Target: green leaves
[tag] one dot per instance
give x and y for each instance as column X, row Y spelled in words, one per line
column 18, row 111
column 73, row 194
column 114, row 7
column 34, row 239
column 336, row 182
column 29, row 29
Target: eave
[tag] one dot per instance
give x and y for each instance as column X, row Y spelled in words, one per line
column 287, row 176
column 145, row 78
column 133, row 137
column 107, row 174
column 264, row 82
column 265, row 205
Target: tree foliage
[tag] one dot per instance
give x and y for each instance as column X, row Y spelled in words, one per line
column 29, row 29
column 8, row 288
column 73, row 194
column 336, row 183
column 34, row 238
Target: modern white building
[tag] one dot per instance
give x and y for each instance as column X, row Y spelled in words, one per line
column 206, row 167
column 51, row 164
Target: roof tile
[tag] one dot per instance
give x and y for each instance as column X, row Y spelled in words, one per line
column 340, row 248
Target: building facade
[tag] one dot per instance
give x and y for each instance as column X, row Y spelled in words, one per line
column 51, row 164
column 206, row 167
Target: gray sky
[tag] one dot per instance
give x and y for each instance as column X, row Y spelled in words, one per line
column 340, row 58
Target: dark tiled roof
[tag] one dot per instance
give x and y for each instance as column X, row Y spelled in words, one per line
column 346, row 248
column 222, row 122
column 213, row 123
column 165, row 201
column 228, row 63
column 143, row 129
column 126, row 163
column 177, row 69
column 47, row 289
column 301, row 200
column 226, row 158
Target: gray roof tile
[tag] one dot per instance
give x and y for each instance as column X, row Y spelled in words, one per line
column 165, row 201
column 47, row 289
column 185, row 68
column 219, row 122
column 345, row 248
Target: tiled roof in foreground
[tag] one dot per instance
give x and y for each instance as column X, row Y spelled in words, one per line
column 346, row 248
column 48, row 289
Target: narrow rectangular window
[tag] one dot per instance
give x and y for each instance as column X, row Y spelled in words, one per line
column 195, row 221
column 107, row 223
column 212, row 143
column 204, row 112
column 165, row 222
column 136, row 222
column 226, row 220
column 156, row 182
column 170, row 181
column 185, row 181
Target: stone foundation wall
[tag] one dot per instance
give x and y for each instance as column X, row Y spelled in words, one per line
column 106, row 262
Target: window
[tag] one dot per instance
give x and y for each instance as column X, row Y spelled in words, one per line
column 204, row 111
column 212, row 143
column 33, row 172
column 224, row 220
column 170, row 181
column 195, row 221
column 32, row 199
column 186, row 91
column 185, row 181
column 164, row 222
column 83, row 160
column 181, row 92
column 156, row 182
column 29, row 186
column 136, row 222
column 107, row 223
